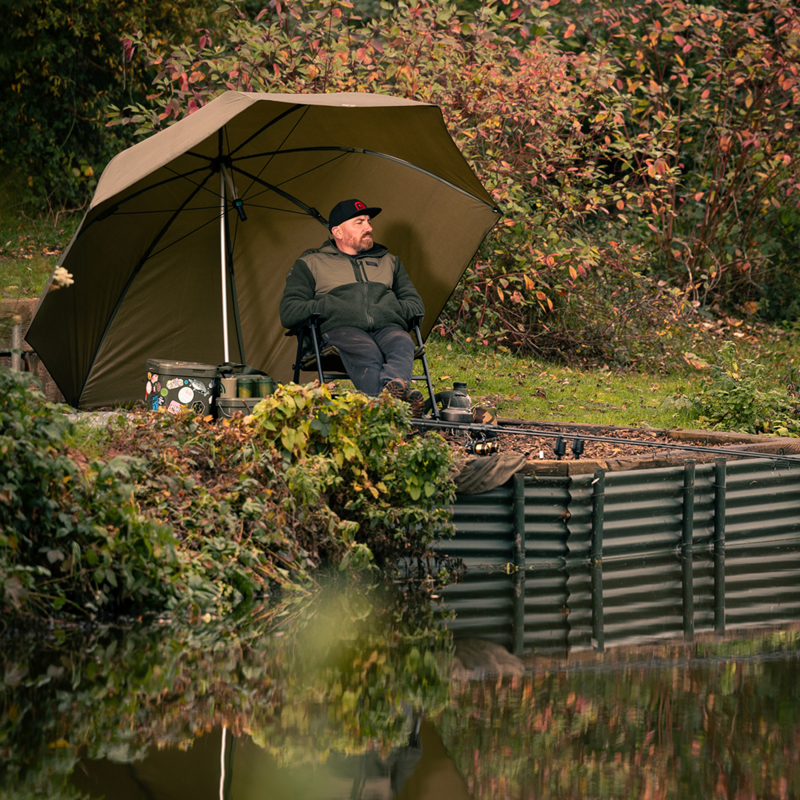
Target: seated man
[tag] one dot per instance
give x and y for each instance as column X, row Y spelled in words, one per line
column 366, row 301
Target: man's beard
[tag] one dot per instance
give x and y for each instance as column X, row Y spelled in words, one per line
column 365, row 243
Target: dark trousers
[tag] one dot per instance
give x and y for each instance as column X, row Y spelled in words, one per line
column 373, row 358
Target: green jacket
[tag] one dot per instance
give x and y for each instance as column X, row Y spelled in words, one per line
column 369, row 291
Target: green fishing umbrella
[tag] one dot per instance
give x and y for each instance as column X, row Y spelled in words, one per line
column 184, row 251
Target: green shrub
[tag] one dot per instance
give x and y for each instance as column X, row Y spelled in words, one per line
column 388, row 490
column 735, row 397
column 193, row 514
column 71, row 538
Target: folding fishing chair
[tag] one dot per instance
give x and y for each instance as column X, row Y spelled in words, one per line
column 326, row 362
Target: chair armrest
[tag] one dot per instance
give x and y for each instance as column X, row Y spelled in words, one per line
column 314, row 321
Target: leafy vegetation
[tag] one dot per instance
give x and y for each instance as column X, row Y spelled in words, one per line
column 645, row 158
column 66, row 539
column 181, row 513
column 736, row 396
column 60, row 67
column 363, row 466
column 715, row 89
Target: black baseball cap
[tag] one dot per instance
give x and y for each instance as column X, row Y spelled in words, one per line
column 347, row 209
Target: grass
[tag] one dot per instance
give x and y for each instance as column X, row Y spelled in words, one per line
column 29, row 249
column 524, row 388
column 519, row 387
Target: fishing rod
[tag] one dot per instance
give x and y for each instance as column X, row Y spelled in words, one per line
column 490, row 431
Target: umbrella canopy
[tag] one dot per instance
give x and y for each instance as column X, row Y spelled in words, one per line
column 184, row 252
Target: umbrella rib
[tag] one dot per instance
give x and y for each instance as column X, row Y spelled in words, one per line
column 285, row 138
column 181, row 238
column 286, row 196
column 294, row 177
column 277, row 119
column 131, row 279
column 114, row 208
column 432, row 175
column 224, row 130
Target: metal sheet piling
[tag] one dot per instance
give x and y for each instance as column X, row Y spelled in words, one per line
column 720, row 467
column 518, row 620
column 687, row 551
column 598, row 507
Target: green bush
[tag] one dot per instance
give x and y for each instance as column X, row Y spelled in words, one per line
column 191, row 514
column 735, row 397
column 388, row 490
column 61, row 65
column 71, row 538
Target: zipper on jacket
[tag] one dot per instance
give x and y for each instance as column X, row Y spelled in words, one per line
column 362, row 276
column 357, row 270
column 358, row 267
column 370, row 321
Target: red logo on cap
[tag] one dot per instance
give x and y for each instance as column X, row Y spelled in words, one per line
column 359, row 205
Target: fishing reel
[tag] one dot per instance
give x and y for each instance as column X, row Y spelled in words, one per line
column 482, row 446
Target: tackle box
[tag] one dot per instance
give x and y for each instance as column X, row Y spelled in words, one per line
column 175, row 385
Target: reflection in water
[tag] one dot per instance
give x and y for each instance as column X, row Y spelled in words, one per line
column 223, row 767
column 346, row 696
column 722, row 723
column 340, row 672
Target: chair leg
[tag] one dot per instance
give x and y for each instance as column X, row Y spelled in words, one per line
column 314, row 338
column 300, row 344
column 428, row 380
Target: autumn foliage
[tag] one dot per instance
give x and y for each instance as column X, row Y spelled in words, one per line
column 645, row 155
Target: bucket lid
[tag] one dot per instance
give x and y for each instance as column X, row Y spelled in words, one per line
column 181, row 367
column 456, row 415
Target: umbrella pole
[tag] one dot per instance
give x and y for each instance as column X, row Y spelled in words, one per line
column 222, row 766
column 223, row 253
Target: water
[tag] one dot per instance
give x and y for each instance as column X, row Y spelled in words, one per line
column 345, row 695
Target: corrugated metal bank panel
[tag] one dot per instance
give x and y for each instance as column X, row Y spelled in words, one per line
column 762, row 584
column 642, row 598
column 546, row 511
column 544, row 622
column 703, row 528
column 642, row 549
column 703, row 579
column 579, row 524
column 483, row 605
column 484, row 529
column 579, row 550
column 762, row 501
column 483, row 601
column 642, row 511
